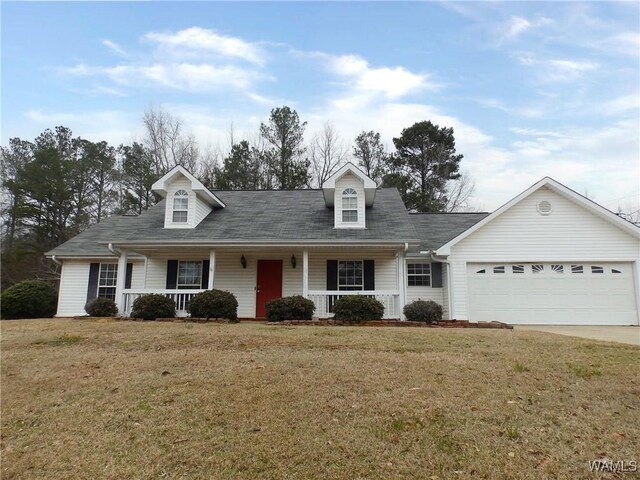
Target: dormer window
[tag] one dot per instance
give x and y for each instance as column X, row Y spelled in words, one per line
column 180, row 206
column 349, row 206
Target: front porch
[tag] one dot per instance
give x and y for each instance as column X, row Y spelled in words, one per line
column 256, row 276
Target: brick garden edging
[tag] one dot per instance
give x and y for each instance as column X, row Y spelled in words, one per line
column 397, row 323
column 323, row 322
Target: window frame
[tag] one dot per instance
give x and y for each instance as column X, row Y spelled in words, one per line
column 189, row 286
column 181, row 196
column 349, row 194
column 422, row 275
column 353, row 287
column 104, row 289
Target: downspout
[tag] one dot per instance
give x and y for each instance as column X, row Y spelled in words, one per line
column 55, row 260
column 113, row 250
column 449, row 290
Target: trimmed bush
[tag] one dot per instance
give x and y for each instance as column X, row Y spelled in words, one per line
column 358, row 308
column 152, row 306
column 214, row 304
column 29, row 299
column 290, row 308
column 101, row 307
column 423, row 311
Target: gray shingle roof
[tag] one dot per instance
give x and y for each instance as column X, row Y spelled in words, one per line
column 436, row 229
column 263, row 215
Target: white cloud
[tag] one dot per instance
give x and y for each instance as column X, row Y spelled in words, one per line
column 518, row 25
column 623, row 104
column 390, row 82
column 557, row 70
column 202, row 40
column 180, row 76
column 114, row 47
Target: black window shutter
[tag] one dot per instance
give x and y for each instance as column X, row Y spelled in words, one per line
column 205, row 274
column 92, row 289
column 172, row 274
column 369, row 271
column 127, row 280
column 332, row 275
column 436, row 275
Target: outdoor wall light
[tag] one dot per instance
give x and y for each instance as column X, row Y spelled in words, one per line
column 293, row 261
column 243, row 261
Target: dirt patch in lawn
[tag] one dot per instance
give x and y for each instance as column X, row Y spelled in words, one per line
column 85, row 399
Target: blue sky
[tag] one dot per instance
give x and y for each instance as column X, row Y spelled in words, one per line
column 531, row 89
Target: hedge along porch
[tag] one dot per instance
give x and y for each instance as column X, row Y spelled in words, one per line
column 256, row 275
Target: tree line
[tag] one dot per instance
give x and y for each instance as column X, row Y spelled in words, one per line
column 58, row 184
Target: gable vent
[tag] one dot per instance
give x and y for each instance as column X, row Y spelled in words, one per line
column 544, row 207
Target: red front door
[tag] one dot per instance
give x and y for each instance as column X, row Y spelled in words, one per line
column 269, row 284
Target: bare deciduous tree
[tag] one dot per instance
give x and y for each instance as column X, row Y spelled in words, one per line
column 459, row 193
column 167, row 141
column 327, row 153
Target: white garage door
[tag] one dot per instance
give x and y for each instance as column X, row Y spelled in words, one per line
column 552, row 293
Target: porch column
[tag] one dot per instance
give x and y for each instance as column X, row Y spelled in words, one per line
column 212, row 269
column 401, row 284
column 121, row 279
column 305, row 273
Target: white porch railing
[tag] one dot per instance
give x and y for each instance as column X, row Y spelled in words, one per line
column 180, row 298
column 325, row 299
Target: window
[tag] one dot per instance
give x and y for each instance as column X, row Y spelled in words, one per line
column 107, row 280
column 517, row 268
column 499, row 269
column 577, row 269
column 557, row 268
column 419, row 274
column 615, row 270
column 350, row 275
column 189, row 275
column 484, row 270
column 537, row 268
column 180, row 206
column 597, row 269
column 349, row 206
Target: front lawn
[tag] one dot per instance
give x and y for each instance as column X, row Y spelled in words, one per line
column 86, row 399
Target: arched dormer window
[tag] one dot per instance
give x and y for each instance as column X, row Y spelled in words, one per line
column 349, row 206
column 180, row 206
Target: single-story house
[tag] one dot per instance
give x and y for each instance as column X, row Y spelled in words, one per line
column 548, row 256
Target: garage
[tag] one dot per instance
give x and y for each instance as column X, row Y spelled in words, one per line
column 574, row 293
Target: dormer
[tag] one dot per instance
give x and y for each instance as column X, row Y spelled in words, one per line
column 349, row 191
column 187, row 200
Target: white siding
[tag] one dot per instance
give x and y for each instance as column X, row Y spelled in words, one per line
column 349, row 181
column 386, row 267
column 521, row 234
column 74, row 282
column 202, row 210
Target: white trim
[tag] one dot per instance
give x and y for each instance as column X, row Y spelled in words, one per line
column 305, row 273
column 329, row 186
column 558, row 188
column 212, row 269
column 160, row 186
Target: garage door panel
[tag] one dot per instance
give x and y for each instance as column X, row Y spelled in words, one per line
column 553, row 293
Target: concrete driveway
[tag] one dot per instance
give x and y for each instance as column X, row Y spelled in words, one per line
column 630, row 335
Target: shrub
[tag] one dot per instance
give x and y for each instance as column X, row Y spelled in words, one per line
column 101, row 307
column 29, row 299
column 214, row 304
column 152, row 306
column 423, row 311
column 290, row 308
column 358, row 308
